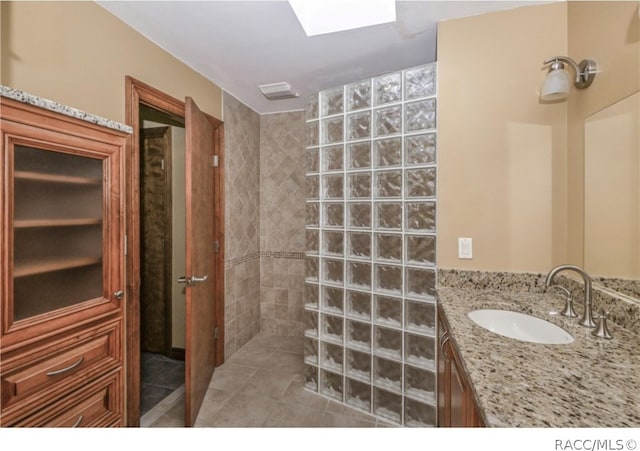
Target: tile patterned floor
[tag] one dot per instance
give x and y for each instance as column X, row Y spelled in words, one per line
column 160, row 376
column 261, row 385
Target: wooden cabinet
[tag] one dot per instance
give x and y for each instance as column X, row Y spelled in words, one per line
column 61, row 312
column 456, row 405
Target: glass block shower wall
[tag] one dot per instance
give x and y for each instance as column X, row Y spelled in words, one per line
column 370, row 306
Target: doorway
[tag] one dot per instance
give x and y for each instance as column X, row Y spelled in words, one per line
column 162, row 256
column 204, row 246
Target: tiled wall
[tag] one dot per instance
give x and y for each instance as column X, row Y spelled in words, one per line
column 369, row 319
column 282, row 241
column 242, row 224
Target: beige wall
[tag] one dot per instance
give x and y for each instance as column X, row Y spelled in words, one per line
column 78, row 54
column 501, row 153
column 609, row 33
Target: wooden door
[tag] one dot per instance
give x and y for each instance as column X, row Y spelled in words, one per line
column 200, row 248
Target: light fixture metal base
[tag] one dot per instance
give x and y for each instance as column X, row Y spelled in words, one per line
column 587, row 72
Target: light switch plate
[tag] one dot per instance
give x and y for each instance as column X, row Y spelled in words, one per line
column 465, row 248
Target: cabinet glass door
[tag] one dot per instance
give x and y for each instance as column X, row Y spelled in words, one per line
column 58, row 204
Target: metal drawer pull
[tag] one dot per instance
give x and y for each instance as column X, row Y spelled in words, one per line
column 78, row 421
column 69, row 368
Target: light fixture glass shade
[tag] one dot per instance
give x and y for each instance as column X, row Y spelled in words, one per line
column 556, row 85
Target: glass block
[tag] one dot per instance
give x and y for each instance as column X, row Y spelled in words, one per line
column 388, row 247
column 312, row 213
column 420, row 82
column 387, row 374
column 421, row 283
column 388, row 342
column 333, row 186
column 388, row 184
column 358, row 365
column 312, row 239
column 421, row 182
column 420, row 317
column 360, row 215
column 358, row 126
column 358, row 394
column 331, row 384
column 421, row 216
column 388, row 311
column 331, row 356
column 310, row 351
column 420, row 149
column 331, row 328
column 359, row 155
column 311, row 269
column 312, row 187
column 389, row 216
column 311, row 107
column 418, row 414
column 359, row 244
column 359, row 305
column 312, row 133
column 332, row 158
column 420, row 115
column 312, row 160
column 311, row 295
column 311, row 378
column 332, row 130
column 420, row 384
column 359, row 185
column 419, row 350
column 333, row 300
column 310, row 323
column 389, row 278
column 388, row 152
column 333, row 215
column 387, row 405
column 332, row 101
column 421, row 249
column 388, row 121
column 333, row 242
column 333, row 271
column 359, row 275
column 388, row 88
column 359, row 335
column 359, row 95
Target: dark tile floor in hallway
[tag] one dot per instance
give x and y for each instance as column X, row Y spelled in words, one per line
column 261, row 385
column 160, row 377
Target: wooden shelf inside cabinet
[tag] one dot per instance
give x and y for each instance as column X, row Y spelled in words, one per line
column 67, row 222
column 30, row 269
column 55, row 178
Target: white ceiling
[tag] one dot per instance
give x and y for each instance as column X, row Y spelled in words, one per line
column 239, row 45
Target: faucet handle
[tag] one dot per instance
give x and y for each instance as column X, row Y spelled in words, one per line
column 602, row 331
column 568, row 310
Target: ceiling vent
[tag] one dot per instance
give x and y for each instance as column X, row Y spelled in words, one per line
column 278, row 91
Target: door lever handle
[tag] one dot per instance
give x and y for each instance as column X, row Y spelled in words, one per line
column 193, row 280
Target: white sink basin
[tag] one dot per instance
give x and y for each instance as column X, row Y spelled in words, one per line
column 520, row 326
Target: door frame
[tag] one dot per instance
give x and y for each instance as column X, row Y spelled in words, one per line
column 137, row 92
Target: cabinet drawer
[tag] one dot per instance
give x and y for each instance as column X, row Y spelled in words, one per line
column 61, row 366
column 98, row 404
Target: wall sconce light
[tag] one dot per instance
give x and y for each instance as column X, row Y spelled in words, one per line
column 557, row 83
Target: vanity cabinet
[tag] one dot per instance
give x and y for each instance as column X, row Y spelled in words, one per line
column 456, row 405
column 62, row 269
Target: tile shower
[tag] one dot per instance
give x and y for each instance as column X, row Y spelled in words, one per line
column 370, row 271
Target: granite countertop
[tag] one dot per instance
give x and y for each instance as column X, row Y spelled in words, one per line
column 591, row 382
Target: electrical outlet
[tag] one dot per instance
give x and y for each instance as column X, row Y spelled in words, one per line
column 465, row 248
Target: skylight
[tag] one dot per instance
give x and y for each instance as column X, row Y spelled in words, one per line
column 329, row 16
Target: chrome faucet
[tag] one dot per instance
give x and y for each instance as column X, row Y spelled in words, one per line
column 587, row 315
